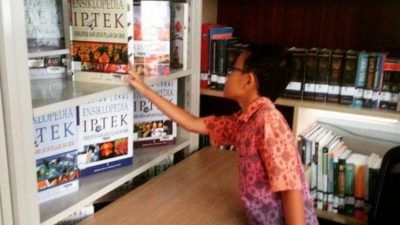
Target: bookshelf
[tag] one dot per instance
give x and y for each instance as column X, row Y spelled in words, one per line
column 22, row 99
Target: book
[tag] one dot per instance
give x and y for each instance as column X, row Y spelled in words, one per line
column 56, row 154
column 222, row 62
column 49, row 67
column 152, row 38
column 335, row 76
column 310, row 73
column 205, row 46
column 360, row 79
column 152, row 127
column 322, row 75
column 44, row 25
column 390, row 84
column 295, row 86
column 102, row 43
column 179, row 35
column 377, row 89
column 370, row 80
column 105, row 137
column 340, row 200
column 347, row 88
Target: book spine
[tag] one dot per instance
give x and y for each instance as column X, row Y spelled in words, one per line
column 322, row 76
column 213, row 65
column 222, row 63
column 296, row 85
column 349, row 189
column 378, row 81
column 309, row 79
column 335, row 76
column 348, row 78
column 341, row 185
column 369, row 81
column 360, row 80
column 386, row 95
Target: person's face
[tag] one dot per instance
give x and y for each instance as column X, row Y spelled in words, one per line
column 235, row 79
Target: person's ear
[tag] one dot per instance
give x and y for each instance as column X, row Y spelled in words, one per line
column 251, row 81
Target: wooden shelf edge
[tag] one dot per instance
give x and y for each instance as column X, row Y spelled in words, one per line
column 338, row 218
column 171, row 149
column 321, row 106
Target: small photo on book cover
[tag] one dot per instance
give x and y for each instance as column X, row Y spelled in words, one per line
column 152, row 38
column 151, row 126
column 105, row 134
column 56, row 153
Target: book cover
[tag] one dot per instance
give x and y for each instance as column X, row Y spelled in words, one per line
column 322, row 76
column 360, row 79
column 347, row 88
column 295, row 86
column 151, row 126
column 179, row 35
column 105, row 137
column 56, row 153
column 335, row 76
column 44, row 25
column 309, row 77
column 152, row 38
column 101, row 34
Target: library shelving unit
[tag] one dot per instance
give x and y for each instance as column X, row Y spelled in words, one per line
column 21, row 99
column 307, row 112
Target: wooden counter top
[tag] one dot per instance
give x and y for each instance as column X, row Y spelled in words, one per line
column 202, row 189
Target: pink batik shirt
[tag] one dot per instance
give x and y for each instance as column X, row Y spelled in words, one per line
column 268, row 160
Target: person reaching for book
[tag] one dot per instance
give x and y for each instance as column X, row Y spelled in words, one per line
column 271, row 177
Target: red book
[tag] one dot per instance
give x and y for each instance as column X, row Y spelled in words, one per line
column 205, row 45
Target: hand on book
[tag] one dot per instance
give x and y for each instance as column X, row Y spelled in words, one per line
column 134, row 80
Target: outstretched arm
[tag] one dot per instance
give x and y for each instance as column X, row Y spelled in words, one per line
column 182, row 117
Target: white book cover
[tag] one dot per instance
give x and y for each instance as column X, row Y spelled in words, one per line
column 152, row 38
column 102, row 44
column 179, row 35
column 105, row 134
column 152, row 127
column 56, row 153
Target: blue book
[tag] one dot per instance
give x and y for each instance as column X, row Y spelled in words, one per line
column 360, row 79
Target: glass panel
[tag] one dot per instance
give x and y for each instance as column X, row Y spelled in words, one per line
column 47, row 67
column 44, row 25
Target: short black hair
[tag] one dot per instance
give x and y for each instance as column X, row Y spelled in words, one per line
column 272, row 65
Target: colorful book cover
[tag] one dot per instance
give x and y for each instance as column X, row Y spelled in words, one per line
column 151, row 126
column 56, row 153
column 101, row 35
column 179, row 35
column 105, row 134
column 152, row 38
column 44, row 25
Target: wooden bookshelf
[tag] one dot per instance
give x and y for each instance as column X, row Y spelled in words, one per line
column 322, row 106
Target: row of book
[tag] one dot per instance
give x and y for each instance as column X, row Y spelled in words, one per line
column 151, row 35
column 360, row 79
column 219, row 50
column 96, row 137
column 340, row 180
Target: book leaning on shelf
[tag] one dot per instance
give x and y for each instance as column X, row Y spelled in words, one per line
column 105, row 128
column 56, row 153
column 101, row 40
column 151, row 126
column 152, row 38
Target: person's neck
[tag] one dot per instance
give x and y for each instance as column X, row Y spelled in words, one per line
column 246, row 101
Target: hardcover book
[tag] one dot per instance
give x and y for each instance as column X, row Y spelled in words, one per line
column 360, row 79
column 44, row 25
column 347, row 88
column 105, row 134
column 56, row 154
column 309, row 77
column 205, row 46
column 295, row 86
column 151, row 126
column 335, row 76
column 369, row 80
column 179, row 35
column 322, row 76
column 152, row 38
column 101, row 35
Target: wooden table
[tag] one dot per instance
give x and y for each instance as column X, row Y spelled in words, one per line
column 202, row 189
